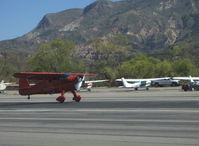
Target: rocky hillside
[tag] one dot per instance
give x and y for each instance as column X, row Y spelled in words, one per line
column 149, row 25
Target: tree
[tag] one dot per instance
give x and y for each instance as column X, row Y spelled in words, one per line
column 163, row 69
column 140, row 66
column 184, row 67
column 110, row 52
column 8, row 66
column 56, row 57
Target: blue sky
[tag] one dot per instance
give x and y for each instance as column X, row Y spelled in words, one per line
column 18, row 17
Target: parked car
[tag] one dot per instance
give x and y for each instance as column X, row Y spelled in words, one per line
column 165, row 82
column 191, row 86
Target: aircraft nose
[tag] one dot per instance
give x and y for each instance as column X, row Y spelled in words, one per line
column 79, row 82
column 71, row 78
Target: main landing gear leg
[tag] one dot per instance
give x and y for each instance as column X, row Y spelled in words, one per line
column 61, row 98
column 76, row 97
column 28, row 97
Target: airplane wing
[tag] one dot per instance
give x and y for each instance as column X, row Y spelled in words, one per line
column 186, row 78
column 46, row 75
column 141, row 80
column 12, row 84
column 95, row 81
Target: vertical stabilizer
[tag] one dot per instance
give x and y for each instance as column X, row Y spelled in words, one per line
column 126, row 84
column 191, row 80
column 23, row 83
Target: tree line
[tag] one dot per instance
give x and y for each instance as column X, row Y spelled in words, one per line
column 114, row 58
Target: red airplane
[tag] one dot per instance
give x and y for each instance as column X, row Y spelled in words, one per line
column 49, row 83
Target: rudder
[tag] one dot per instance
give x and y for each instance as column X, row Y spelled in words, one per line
column 126, row 84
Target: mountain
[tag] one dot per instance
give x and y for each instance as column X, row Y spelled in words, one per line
column 149, row 25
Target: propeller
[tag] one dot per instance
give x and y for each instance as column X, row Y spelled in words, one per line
column 79, row 83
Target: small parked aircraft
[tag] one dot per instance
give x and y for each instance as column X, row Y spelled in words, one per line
column 4, row 85
column 49, row 83
column 138, row 83
column 191, row 85
column 89, row 84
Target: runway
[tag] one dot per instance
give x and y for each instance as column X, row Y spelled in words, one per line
column 105, row 116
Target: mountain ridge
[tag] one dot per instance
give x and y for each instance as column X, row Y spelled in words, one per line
column 149, row 25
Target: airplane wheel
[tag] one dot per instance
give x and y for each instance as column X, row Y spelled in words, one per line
column 77, row 98
column 60, row 99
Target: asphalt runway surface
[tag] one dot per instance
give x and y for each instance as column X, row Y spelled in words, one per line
column 104, row 117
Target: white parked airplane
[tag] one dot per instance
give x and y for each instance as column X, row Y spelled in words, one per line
column 89, row 84
column 4, row 85
column 192, row 85
column 138, row 83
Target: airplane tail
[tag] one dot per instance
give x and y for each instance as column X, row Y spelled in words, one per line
column 23, row 83
column 125, row 83
column 191, row 80
column 2, row 85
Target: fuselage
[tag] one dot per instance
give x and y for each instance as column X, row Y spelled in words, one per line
column 48, row 87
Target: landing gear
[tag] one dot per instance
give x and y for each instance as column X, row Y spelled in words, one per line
column 28, row 97
column 61, row 98
column 76, row 97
